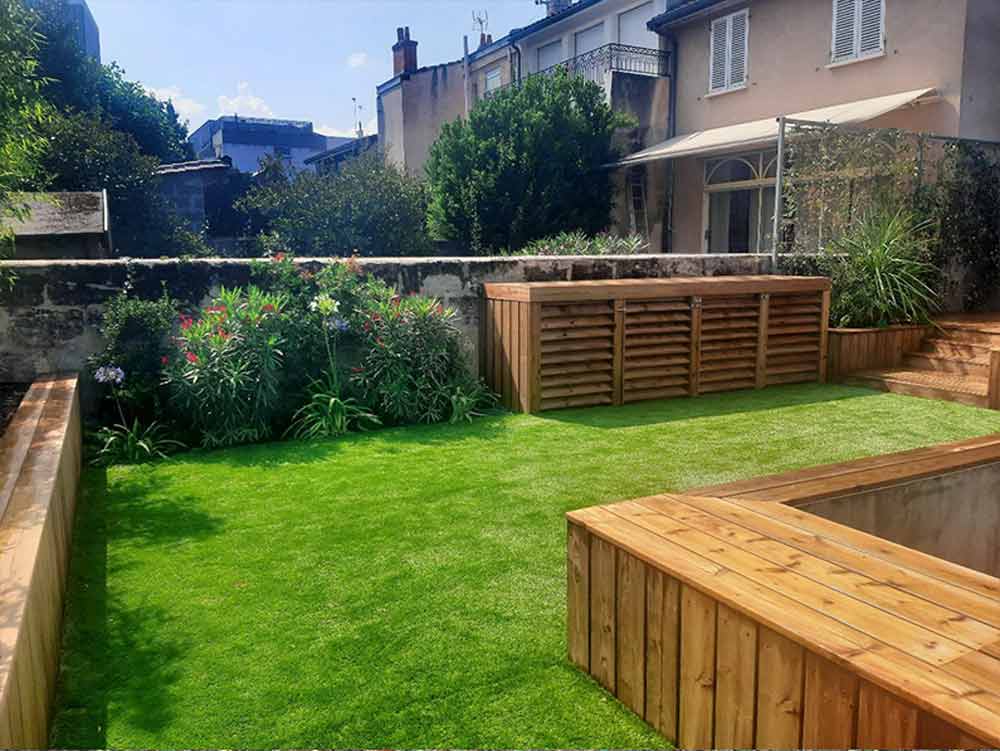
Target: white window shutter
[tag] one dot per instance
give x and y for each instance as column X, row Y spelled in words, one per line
column 845, row 18
column 718, row 55
column 872, row 27
column 738, row 38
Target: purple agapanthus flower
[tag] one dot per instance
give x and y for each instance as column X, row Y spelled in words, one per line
column 338, row 324
column 109, row 374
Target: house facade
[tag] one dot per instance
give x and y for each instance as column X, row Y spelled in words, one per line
column 247, row 140
column 920, row 65
column 605, row 40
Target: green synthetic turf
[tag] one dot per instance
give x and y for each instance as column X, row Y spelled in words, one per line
column 403, row 588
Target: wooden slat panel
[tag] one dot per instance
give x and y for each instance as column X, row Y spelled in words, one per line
column 762, row 321
column 619, row 361
column 663, row 612
column 630, row 661
column 736, row 677
column 830, row 705
column 697, row 673
column 602, row 612
column 516, row 361
column 780, row 666
column 933, row 732
column 578, row 594
column 883, row 720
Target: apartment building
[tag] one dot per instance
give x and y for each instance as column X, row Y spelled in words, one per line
column 920, row 65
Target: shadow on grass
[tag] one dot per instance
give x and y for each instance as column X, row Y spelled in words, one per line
column 640, row 414
column 117, row 656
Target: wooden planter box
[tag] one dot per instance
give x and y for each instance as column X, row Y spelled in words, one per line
column 548, row 345
column 853, row 350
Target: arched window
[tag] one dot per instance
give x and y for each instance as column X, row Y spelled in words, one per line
column 739, row 202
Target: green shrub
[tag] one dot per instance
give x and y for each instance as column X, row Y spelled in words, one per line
column 524, row 164
column 137, row 339
column 227, row 372
column 134, row 443
column 580, row 244
column 881, row 271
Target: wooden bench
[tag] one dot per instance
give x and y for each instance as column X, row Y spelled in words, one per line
column 734, row 623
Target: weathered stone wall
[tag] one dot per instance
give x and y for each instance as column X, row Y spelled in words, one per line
column 49, row 322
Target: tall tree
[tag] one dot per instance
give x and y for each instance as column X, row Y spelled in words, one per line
column 525, row 164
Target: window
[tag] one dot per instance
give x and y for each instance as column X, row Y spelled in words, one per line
column 550, row 54
column 590, row 39
column 632, row 27
column 858, row 29
column 728, row 52
column 493, row 79
column 739, row 203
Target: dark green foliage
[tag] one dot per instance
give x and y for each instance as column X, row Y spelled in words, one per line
column 76, row 83
column 85, row 154
column 524, row 165
column 369, row 208
column 134, row 443
column 137, row 338
column 579, row 244
column 328, row 413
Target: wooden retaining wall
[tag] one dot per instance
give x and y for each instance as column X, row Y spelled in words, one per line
column 701, row 617
column 40, row 462
column 853, row 350
column 550, row 345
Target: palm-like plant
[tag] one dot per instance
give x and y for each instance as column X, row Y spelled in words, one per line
column 881, row 272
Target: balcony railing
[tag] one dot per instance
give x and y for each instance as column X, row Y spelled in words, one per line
column 593, row 65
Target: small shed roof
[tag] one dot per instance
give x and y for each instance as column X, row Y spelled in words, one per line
column 77, row 213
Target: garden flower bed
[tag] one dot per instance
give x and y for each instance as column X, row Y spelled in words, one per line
column 406, row 587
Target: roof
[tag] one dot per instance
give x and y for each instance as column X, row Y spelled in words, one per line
column 682, row 10
column 542, row 23
column 200, row 165
column 764, row 132
column 349, row 145
column 77, row 213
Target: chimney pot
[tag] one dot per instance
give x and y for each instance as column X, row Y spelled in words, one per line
column 404, row 52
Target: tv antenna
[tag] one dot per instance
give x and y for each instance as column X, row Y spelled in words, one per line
column 481, row 21
column 357, row 116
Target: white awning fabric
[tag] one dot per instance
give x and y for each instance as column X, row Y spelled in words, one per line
column 762, row 133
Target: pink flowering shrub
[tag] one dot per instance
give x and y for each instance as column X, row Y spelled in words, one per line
column 226, row 373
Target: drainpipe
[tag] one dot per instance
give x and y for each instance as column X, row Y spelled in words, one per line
column 671, row 132
column 779, row 178
column 517, row 49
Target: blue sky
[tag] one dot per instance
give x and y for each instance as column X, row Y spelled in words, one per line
column 295, row 59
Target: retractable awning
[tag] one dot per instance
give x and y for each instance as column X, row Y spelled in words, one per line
column 762, row 133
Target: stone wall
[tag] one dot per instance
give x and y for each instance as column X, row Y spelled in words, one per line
column 49, row 323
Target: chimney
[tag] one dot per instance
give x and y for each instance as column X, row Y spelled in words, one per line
column 404, row 52
column 556, row 6
column 482, row 39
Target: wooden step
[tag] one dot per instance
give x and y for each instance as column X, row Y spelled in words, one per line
column 928, row 384
column 971, row 335
column 944, row 364
column 958, row 350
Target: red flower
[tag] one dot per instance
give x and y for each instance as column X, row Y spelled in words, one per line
column 186, row 322
column 439, row 309
column 216, row 309
column 269, row 308
column 395, row 301
column 164, row 360
column 367, row 326
column 223, row 334
column 357, row 369
column 191, row 357
column 279, row 257
column 379, row 342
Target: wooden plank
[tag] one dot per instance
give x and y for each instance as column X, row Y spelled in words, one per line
column 602, row 612
column 647, row 289
column 762, row 324
column 619, row 350
column 515, row 354
column 736, row 676
column 933, row 732
column 780, row 672
column 697, row 673
column 486, row 343
column 498, row 344
column 993, row 382
column 630, row 608
column 824, row 332
column 830, row 705
column 883, row 720
column 663, row 612
column 696, row 345
column 578, row 594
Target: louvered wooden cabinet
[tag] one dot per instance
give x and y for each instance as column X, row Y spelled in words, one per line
column 549, row 345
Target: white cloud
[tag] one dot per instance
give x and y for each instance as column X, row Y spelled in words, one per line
column 370, row 128
column 245, row 103
column 357, row 59
column 187, row 108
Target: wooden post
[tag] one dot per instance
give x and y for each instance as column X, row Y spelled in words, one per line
column 762, row 316
column 534, row 357
column 695, row 372
column 994, row 382
column 617, row 378
column 824, row 334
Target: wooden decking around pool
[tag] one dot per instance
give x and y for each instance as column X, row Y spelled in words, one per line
column 733, row 623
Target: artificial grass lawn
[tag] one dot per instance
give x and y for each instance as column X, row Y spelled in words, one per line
column 404, row 588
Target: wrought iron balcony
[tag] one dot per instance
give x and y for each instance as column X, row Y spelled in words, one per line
column 593, row 65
